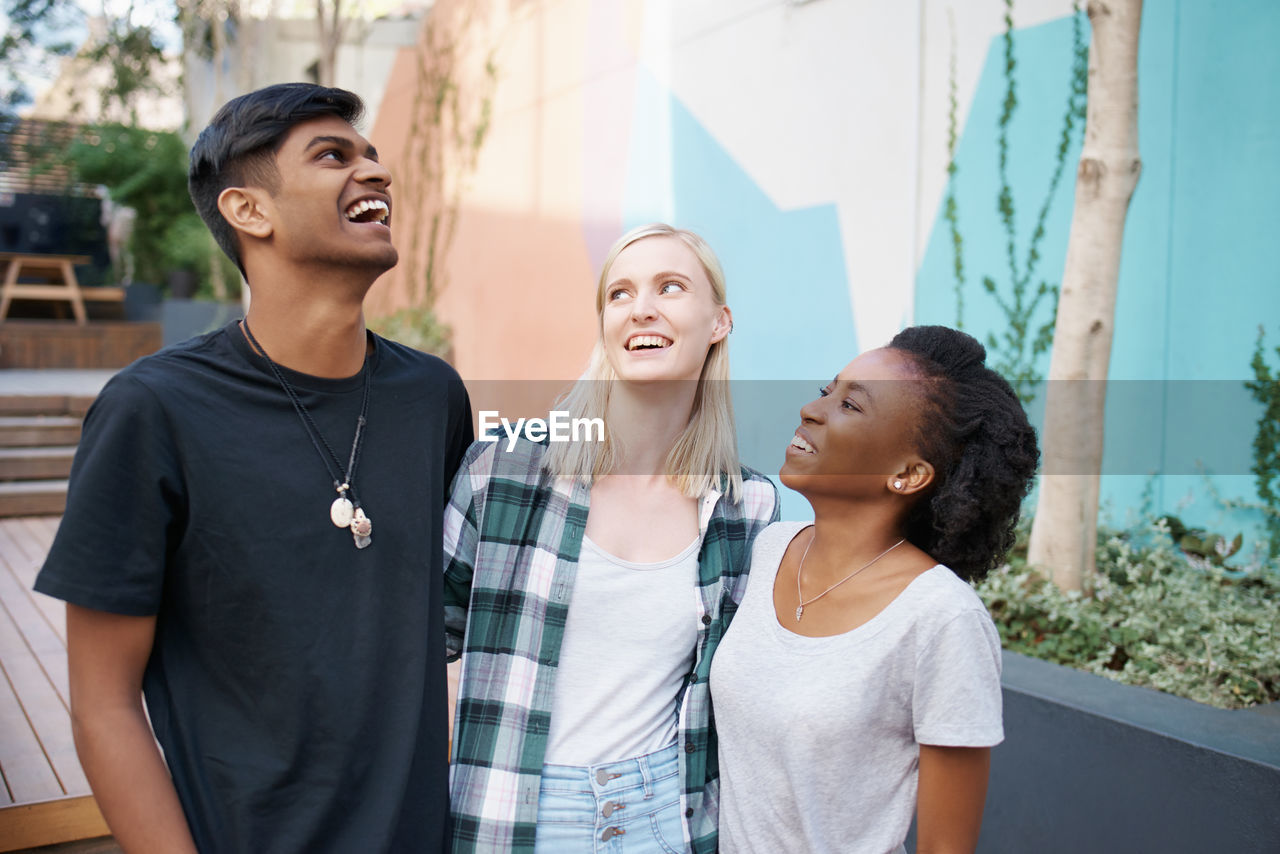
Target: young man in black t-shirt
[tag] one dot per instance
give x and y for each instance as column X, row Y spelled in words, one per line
column 253, row 528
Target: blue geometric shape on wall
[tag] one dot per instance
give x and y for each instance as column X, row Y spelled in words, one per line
column 1043, row 83
column 785, row 269
column 793, row 322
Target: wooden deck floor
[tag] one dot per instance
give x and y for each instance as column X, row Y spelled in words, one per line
column 45, row 797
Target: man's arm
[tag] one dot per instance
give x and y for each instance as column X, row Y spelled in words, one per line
column 107, row 654
column 953, row 790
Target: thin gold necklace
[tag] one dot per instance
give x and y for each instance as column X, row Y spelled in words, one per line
column 800, row 569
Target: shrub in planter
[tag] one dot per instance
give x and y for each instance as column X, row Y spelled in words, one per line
column 416, row 327
column 1156, row 616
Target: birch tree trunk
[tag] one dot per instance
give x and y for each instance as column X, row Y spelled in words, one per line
column 1064, row 533
column 329, row 31
column 219, row 13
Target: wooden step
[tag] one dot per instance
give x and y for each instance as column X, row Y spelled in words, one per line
column 36, row 463
column 30, row 431
column 45, row 404
column 32, row 826
column 33, row 498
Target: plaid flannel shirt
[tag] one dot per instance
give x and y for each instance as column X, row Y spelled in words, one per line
column 512, row 536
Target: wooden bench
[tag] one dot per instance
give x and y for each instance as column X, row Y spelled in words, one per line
column 57, row 282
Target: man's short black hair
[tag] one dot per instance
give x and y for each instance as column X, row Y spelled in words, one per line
column 238, row 147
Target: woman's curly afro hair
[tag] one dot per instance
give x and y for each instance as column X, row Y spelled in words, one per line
column 976, row 436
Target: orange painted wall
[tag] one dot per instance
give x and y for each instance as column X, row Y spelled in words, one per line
column 520, row 292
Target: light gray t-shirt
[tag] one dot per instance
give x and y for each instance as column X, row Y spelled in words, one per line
column 626, row 653
column 819, row 737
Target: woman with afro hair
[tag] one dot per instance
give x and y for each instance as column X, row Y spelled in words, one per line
column 859, row 684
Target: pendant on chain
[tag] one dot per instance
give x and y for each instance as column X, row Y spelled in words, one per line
column 341, row 511
column 799, row 613
column 345, row 511
column 361, row 528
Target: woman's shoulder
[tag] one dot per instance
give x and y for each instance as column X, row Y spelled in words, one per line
column 786, row 529
column 772, row 542
column 497, row 457
column 939, row 597
column 759, row 498
column 756, row 480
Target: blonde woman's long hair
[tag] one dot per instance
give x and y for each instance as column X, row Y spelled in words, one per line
column 706, row 452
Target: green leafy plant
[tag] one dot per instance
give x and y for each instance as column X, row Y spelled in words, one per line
column 1158, row 616
column 448, row 123
column 1029, row 309
column 40, row 33
column 950, row 207
column 1202, row 543
column 147, row 171
column 416, row 327
column 1265, row 388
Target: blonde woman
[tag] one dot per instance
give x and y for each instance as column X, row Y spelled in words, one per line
column 589, row 583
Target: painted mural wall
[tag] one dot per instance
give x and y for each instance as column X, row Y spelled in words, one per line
column 1199, row 272
column 809, row 143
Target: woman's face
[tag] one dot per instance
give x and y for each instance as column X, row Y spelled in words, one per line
column 856, row 438
column 660, row 316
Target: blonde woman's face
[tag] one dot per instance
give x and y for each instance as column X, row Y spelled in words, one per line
column 660, row 317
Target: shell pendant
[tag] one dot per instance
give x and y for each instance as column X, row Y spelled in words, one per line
column 799, row 613
column 341, row 511
column 361, row 528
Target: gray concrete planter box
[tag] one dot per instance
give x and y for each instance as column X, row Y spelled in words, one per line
column 1090, row 765
column 184, row 318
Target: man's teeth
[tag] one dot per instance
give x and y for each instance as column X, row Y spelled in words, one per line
column 377, row 205
column 797, row 442
column 648, row 341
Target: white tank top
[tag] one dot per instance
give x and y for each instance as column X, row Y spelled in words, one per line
column 628, row 647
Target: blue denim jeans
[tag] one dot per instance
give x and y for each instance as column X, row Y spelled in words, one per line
column 627, row 807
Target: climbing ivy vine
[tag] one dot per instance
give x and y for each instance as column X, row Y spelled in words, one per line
column 1024, row 298
column 449, row 122
column 1265, row 388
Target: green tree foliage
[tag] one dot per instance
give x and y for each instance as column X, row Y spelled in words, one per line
column 1265, row 388
column 41, row 32
column 147, row 171
column 133, row 53
column 38, row 33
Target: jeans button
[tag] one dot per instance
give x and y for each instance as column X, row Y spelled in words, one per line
column 610, row 832
column 612, row 807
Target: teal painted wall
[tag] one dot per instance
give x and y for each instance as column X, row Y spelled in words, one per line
column 1201, row 259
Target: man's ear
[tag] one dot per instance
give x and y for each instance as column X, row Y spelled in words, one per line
column 246, row 210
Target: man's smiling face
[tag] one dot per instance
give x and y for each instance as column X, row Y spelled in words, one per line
column 332, row 204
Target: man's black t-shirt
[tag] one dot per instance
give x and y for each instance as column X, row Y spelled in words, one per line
column 296, row 683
